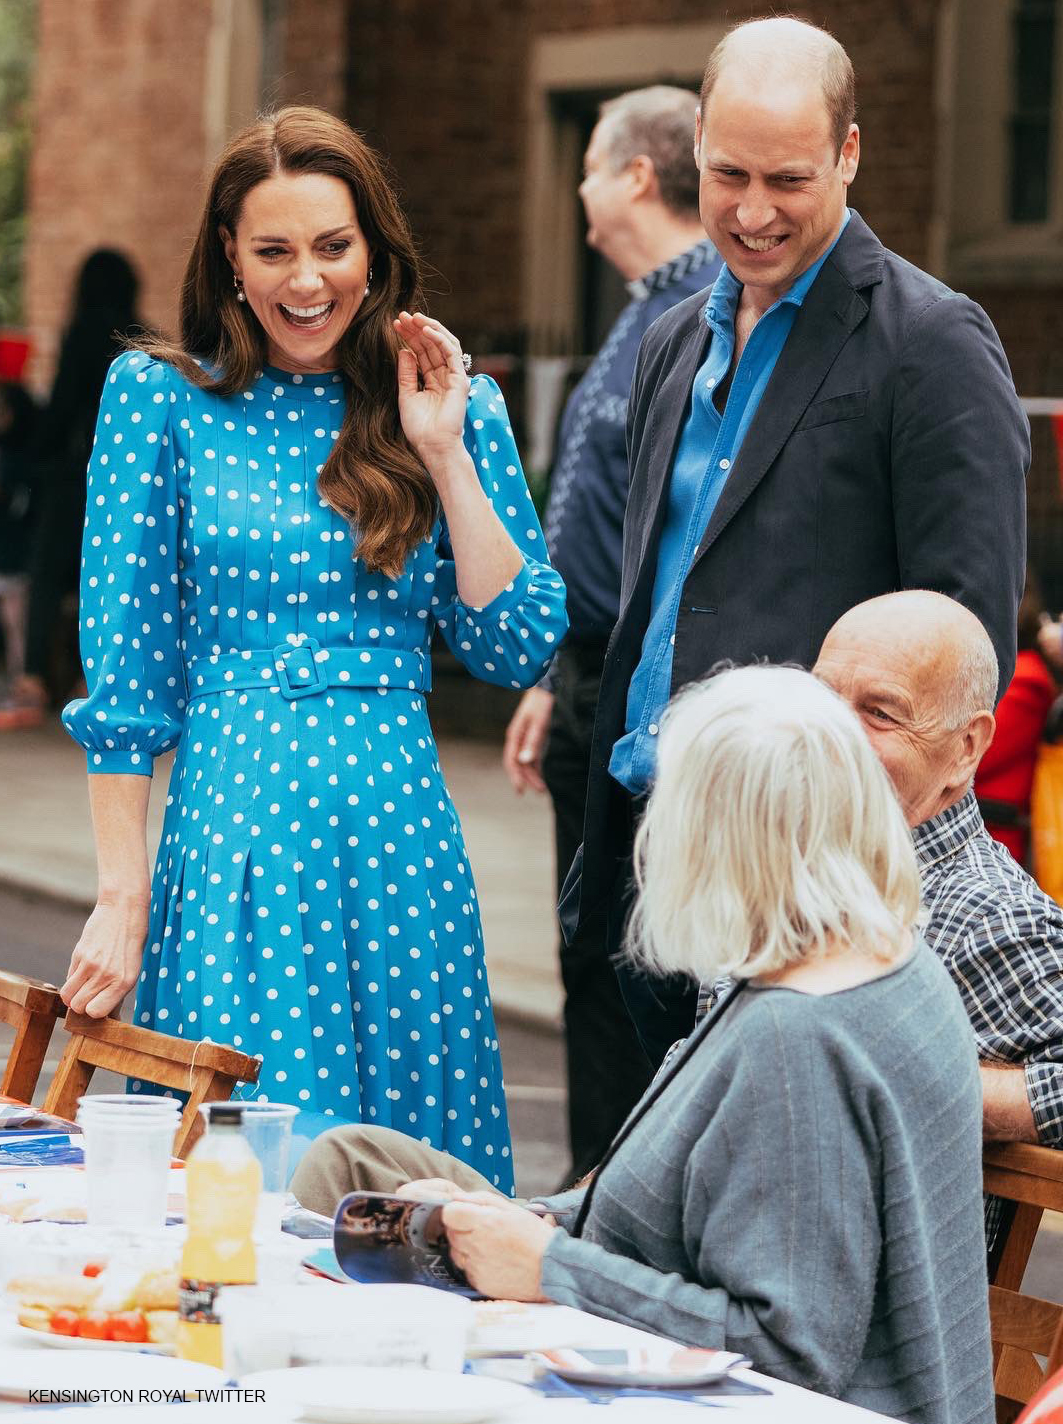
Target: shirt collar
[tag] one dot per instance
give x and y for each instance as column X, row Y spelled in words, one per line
column 668, row 273
column 947, row 832
column 723, row 299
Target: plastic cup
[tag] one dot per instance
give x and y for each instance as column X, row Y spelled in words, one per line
column 128, row 1141
column 267, row 1128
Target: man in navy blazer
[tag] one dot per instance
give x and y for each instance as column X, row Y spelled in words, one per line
column 828, row 423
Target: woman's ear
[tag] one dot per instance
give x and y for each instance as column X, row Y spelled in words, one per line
column 229, row 244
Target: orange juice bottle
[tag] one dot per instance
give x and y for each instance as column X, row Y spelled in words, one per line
column 223, row 1182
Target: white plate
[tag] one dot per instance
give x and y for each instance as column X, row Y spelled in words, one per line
column 77, row 1342
column 25, row 1370
column 341, row 1394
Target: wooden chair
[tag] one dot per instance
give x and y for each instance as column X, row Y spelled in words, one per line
column 31, row 1007
column 1030, row 1178
column 205, row 1071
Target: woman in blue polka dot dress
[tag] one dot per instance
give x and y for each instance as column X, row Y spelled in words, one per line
column 282, row 507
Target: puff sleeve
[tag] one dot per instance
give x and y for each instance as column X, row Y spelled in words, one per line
column 511, row 640
column 130, row 599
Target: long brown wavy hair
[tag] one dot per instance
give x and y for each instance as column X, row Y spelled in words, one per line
column 372, row 478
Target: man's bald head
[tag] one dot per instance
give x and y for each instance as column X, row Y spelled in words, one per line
column 785, row 51
column 921, row 673
column 944, row 644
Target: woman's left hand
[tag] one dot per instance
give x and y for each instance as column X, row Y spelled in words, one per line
column 499, row 1246
column 433, row 388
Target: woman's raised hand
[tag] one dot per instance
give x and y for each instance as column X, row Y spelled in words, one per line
column 433, row 388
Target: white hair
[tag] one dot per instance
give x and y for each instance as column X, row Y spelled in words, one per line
column 973, row 685
column 772, row 833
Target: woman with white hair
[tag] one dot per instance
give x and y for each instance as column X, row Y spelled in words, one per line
column 802, row 1181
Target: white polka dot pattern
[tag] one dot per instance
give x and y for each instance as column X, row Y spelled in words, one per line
column 312, row 900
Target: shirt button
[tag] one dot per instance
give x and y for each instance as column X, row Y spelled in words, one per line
column 653, row 729
column 711, row 382
column 725, row 464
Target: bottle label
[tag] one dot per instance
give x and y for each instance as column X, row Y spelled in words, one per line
column 196, row 1300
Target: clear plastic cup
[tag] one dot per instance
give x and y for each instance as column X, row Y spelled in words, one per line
column 267, row 1127
column 128, row 1141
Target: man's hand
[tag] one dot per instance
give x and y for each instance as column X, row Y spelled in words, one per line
column 522, row 754
column 499, row 1246
column 1006, row 1112
column 428, row 1187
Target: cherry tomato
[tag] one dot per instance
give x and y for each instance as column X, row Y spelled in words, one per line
column 64, row 1322
column 93, row 1268
column 129, row 1325
column 95, row 1325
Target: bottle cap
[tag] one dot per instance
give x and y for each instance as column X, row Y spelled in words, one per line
column 225, row 1114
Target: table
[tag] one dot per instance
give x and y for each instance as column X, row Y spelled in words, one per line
column 783, row 1402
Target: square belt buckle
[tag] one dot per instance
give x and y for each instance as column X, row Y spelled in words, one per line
column 298, row 671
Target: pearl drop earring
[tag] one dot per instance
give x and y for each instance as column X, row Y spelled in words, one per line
column 239, row 288
column 368, row 282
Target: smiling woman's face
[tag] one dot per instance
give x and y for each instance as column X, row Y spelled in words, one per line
column 304, row 263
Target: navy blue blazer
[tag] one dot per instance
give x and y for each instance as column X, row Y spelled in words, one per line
column 889, row 451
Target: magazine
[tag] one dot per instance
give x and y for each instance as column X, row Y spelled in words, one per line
column 20, row 1117
column 379, row 1238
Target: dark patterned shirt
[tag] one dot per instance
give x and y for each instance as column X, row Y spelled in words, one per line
column 588, row 487
column 1001, row 938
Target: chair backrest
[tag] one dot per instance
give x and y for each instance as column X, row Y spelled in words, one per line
column 1031, row 1178
column 31, row 1008
column 1046, row 1407
column 204, row 1070
column 1023, row 1326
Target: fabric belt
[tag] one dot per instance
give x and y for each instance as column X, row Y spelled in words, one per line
column 307, row 669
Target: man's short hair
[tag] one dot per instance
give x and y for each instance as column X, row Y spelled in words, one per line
column 836, row 74
column 657, row 122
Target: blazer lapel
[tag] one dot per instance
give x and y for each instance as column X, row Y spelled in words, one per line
column 831, row 311
column 670, row 405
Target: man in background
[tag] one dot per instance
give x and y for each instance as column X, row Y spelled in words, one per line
column 640, row 194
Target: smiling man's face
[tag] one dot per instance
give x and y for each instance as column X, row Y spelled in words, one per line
column 773, row 186
column 894, row 695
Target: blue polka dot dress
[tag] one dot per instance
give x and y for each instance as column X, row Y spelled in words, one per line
column 312, row 900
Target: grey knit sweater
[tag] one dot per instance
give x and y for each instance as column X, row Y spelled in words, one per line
column 804, row 1185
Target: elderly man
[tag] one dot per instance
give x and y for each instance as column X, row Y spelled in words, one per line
column 640, row 194
column 921, row 674
column 828, row 424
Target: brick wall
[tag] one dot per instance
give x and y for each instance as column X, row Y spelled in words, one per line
column 456, row 131
column 313, row 55
column 118, row 149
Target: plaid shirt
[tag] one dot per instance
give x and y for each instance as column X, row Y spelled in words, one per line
column 1001, row 939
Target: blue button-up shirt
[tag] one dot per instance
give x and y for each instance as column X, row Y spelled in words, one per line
column 697, row 483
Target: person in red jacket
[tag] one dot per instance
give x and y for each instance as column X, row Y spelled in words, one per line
column 1004, row 777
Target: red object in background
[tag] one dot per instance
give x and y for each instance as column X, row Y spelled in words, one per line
column 1046, row 1407
column 15, row 347
column 1006, row 770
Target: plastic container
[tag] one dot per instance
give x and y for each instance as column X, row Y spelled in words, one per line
column 267, row 1129
column 319, row 1323
column 128, row 1142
